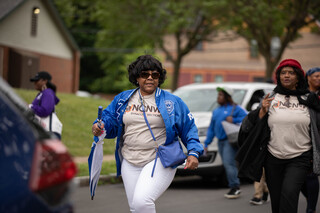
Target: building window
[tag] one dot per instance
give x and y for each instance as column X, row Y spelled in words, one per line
column 198, row 78
column 34, row 20
column 275, row 47
column 258, row 79
column 218, row 78
column 199, row 46
column 253, row 49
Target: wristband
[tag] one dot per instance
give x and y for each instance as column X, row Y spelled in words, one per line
column 194, row 153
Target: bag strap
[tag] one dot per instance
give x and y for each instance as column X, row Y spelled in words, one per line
column 50, row 123
column 50, row 119
column 145, row 118
column 234, row 106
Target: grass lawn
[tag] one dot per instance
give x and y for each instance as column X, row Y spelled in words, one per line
column 107, row 168
column 77, row 115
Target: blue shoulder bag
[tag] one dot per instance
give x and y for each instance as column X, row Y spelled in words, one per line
column 170, row 155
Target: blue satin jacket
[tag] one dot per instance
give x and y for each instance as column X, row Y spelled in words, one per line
column 177, row 118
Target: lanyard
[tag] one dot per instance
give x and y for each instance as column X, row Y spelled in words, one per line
column 145, row 117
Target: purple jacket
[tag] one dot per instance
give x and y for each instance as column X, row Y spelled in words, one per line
column 43, row 104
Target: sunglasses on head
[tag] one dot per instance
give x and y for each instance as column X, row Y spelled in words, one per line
column 154, row 75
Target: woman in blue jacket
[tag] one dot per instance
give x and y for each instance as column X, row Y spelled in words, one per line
column 227, row 111
column 168, row 118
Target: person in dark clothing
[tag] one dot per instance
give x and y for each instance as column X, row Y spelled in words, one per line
column 44, row 103
column 283, row 137
column 310, row 188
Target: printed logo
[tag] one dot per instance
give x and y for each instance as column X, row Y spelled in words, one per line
column 169, row 105
column 190, row 116
column 287, row 105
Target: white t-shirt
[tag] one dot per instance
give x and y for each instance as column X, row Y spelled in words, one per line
column 139, row 146
column 289, row 123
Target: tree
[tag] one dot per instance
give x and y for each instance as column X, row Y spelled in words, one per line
column 267, row 20
column 77, row 16
column 128, row 25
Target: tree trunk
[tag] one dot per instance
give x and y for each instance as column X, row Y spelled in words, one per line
column 270, row 68
column 176, row 71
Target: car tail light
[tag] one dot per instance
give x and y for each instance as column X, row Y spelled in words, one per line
column 52, row 169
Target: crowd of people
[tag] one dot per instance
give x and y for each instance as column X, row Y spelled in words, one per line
column 278, row 143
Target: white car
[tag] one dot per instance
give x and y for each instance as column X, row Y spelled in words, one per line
column 201, row 99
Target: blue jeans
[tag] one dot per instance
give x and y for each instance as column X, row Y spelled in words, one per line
column 228, row 154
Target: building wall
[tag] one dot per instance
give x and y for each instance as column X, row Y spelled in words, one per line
column 306, row 50
column 64, row 73
column 49, row 48
column 61, row 70
column 231, row 59
column 16, row 32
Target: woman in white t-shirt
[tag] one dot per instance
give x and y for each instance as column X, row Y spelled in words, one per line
column 291, row 146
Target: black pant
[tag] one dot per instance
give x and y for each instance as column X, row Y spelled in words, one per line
column 285, row 179
column 310, row 190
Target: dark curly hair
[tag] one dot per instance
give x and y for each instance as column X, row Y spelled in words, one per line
column 302, row 85
column 145, row 63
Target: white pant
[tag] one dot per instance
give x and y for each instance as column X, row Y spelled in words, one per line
column 143, row 190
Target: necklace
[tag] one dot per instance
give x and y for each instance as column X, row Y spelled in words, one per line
column 287, row 102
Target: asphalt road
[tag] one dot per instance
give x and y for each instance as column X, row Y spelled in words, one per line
column 185, row 195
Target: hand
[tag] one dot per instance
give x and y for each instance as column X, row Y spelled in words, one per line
column 229, row 119
column 44, row 87
column 192, row 163
column 96, row 130
column 265, row 105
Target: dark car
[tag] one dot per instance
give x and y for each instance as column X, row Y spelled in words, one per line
column 36, row 168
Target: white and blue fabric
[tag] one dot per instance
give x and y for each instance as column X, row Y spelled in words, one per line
column 95, row 162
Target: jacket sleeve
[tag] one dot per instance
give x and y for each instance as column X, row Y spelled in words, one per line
column 45, row 105
column 239, row 114
column 109, row 118
column 188, row 132
column 247, row 125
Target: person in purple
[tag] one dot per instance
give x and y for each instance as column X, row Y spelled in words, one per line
column 44, row 103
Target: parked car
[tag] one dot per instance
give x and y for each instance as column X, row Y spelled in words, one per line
column 201, row 99
column 36, row 168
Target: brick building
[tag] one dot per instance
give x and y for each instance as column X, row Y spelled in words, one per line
column 235, row 61
column 33, row 38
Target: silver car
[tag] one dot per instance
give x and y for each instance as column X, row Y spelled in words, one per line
column 201, row 99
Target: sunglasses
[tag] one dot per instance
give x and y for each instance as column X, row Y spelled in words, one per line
column 154, row 75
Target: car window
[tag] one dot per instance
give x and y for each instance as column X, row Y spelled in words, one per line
column 198, row 100
column 255, row 99
column 205, row 100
